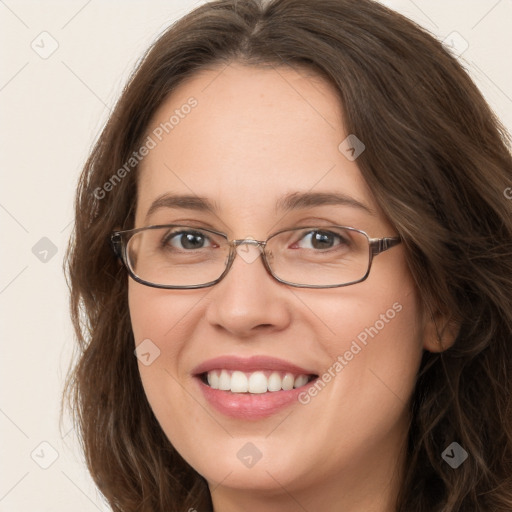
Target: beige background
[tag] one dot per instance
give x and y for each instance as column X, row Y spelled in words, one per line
column 51, row 111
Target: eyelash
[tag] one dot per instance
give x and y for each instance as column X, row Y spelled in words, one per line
column 175, row 235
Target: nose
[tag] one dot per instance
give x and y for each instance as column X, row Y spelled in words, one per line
column 248, row 300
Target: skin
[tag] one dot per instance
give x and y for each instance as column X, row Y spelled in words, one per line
column 256, row 135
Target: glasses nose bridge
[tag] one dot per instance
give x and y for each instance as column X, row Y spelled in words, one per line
column 248, row 258
column 249, row 241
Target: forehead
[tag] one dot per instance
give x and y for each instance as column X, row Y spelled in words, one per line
column 246, row 136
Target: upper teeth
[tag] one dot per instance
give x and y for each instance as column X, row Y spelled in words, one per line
column 254, row 382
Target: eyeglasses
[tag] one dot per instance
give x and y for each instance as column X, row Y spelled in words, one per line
column 182, row 257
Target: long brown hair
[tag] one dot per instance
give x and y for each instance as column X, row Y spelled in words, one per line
column 438, row 162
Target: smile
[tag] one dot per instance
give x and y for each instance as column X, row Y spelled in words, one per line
column 257, row 382
column 251, row 388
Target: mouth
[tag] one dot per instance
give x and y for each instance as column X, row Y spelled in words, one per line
column 256, row 382
column 251, row 388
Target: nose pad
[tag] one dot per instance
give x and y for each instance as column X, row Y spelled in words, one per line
column 248, row 249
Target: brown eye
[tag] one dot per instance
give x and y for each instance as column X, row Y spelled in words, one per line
column 321, row 240
column 188, row 240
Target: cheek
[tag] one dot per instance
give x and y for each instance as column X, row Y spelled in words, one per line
column 162, row 314
column 162, row 323
column 374, row 357
column 385, row 328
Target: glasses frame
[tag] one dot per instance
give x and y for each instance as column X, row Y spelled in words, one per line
column 120, row 239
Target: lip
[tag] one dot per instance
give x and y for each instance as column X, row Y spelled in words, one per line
column 247, row 406
column 250, row 364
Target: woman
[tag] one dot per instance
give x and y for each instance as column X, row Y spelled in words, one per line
column 296, row 220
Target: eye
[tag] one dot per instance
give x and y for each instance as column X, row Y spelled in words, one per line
column 187, row 240
column 321, row 240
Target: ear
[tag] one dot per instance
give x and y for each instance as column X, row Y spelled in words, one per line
column 440, row 330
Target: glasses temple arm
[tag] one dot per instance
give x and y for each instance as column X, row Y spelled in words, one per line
column 117, row 244
column 379, row 245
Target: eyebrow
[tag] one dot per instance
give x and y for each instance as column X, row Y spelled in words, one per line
column 290, row 202
column 185, row 202
column 297, row 201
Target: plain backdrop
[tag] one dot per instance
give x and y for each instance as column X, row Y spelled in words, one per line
column 63, row 67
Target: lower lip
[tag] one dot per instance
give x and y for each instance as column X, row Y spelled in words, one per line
column 250, row 406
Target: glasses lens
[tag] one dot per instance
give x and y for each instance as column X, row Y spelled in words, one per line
column 187, row 256
column 319, row 256
column 177, row 255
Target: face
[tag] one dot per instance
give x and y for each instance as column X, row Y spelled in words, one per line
column 252, row 138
